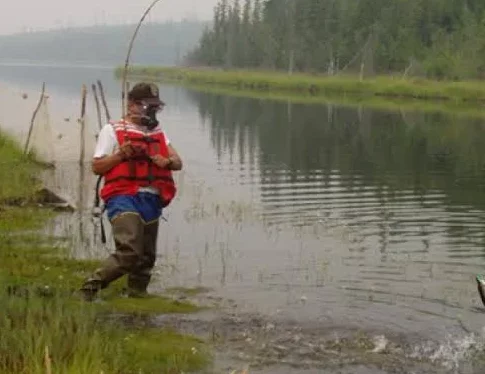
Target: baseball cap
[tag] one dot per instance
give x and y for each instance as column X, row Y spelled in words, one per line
column 147, row 92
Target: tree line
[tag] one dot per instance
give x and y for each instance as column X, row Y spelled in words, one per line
column 441, row 39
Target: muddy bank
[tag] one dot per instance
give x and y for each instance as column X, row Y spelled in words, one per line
column 274, row 346
column 43, row 198
column 265, row 344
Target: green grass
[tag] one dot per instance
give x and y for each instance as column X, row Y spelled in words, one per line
column 81, row 340
column 151, row 304
column 16, row 171
column 191, row 291
column 39, row 310
column 383, row 92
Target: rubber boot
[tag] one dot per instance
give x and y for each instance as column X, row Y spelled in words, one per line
column 139, row 278
column 128, row 233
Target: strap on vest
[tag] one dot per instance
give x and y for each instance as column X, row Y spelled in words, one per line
column 153, row 178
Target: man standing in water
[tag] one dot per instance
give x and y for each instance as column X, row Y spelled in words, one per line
column 136, row 161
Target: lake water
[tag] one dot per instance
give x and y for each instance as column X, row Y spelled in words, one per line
column 324, row 214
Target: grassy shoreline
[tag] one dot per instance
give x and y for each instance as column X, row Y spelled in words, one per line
column 380, row 92
column 47, row 330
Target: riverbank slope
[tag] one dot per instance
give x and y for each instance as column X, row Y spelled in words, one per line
column 392, row 92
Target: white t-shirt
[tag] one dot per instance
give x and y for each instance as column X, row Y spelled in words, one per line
column 108, row 144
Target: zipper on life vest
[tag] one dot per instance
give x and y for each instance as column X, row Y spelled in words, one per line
column 131, row 162
column 132, row 168
column 150, row 175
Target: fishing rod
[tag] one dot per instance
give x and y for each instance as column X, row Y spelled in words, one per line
column 128, row 55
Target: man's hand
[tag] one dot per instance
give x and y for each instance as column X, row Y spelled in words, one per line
column 161, row 162
column 126, row 149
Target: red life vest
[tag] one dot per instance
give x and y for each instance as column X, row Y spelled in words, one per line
column 139, row 171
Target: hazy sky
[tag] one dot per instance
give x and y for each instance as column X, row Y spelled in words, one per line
column 19, row 15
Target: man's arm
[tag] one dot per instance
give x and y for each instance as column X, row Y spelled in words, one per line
column 175, row 162
column 104, row 159
column 172, row 162
column 102, row 165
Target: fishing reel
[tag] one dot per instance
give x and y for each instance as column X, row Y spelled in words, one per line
column 139, row 153
column 97, row 212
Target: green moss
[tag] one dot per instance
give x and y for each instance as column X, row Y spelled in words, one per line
column 22, row 219
column 150, row 304
column 187, row 291
column 41, row 267
column 163, row 349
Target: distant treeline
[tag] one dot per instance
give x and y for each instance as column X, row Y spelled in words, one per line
column 433, row 38
column 156, row 43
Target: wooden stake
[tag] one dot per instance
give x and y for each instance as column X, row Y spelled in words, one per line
column 82, row 121
column 47, row 361
column 103, row 100
column 98, row 109
column 41, row 99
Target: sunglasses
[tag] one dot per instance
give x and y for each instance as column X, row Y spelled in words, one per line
column 146, row 106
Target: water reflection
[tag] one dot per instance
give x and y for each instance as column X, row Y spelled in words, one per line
column 319, row 160
column 390, row 204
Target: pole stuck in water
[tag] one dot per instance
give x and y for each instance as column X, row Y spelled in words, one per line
column 98, row 108
column 103, row 100
column 41, row 99
column 127, row 61
column 82, row 122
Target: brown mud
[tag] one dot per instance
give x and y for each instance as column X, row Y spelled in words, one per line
column 263, row 344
